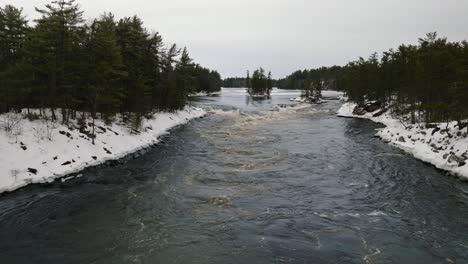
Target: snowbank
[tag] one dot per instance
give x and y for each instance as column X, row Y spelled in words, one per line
column 199, row 94
column 326, row 95
column 442, row 145
column 40, row 152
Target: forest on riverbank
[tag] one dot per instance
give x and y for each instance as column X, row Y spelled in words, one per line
column 104, row 67
column 428, row 81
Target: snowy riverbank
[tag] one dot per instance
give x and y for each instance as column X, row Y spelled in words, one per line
column 443, row 145
column 40, row 152
column 326, row 95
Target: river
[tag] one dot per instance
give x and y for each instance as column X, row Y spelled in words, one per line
column 250, row 183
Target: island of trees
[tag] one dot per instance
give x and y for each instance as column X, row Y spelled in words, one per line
column 260, row 83
column 107, row 66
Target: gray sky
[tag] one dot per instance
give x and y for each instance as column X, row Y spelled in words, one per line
column 284, row 35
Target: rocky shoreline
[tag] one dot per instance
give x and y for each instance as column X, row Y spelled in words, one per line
column 443, row 145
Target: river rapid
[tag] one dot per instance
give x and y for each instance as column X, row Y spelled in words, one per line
column 253, row 182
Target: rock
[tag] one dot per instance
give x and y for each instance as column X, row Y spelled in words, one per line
column 465, row 155
column 429, row 125
column 446, row 155
column 33, row 171
column 219, row 201
column 107, row 151
column 56, row 157
column 401, row 139
column 24, row 147
column 437, row 129
column 94, row 157
column 67, row 134
column 381, row 112
column 135, row 132
column 372, row 106
column 456, row 159
column 358, row 110
column 66, row 163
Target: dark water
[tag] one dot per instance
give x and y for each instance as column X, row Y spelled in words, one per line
column 298, row 185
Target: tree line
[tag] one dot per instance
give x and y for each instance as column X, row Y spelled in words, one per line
column 104, row 67
column 427, row 81
column 324, row 78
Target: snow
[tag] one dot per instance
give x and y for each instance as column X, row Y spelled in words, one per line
column 444, row 146
column 40, row 152
column 199, row 94
column 333, row 94
column 326, row 95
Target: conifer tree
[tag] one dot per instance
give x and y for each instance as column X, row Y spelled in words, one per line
column 62, row 21
column 13, row 29
column 105, row 68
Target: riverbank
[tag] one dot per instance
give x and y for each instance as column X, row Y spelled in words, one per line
column 326, row 95
column 40, row 152
column 443, row 145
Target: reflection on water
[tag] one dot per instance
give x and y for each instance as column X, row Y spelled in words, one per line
column 251, row 183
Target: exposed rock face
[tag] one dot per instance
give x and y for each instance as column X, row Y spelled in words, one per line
column 359, row 110
column 369, row 107
column 372, row 106
column 381, row 112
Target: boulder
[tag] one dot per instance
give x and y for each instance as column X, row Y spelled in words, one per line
column 372, row 106
column 359, row 111
column 219, row 201
column 381, row 112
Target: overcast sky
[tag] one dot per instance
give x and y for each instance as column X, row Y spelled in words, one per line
column 284, row 35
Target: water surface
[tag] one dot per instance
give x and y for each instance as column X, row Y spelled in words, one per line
column 294, row 185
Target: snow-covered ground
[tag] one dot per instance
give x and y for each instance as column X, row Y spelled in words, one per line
column 203, row 94
column 442, row 145
column 326, row 95
column 39, row 151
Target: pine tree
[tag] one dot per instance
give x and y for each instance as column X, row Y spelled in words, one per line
column 63, row 21
column 105, row 68
column 13, row 29
column 269, row 83
column 102, row 67
column 185, row 79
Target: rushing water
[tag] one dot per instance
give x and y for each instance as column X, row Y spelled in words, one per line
column 248, row 185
